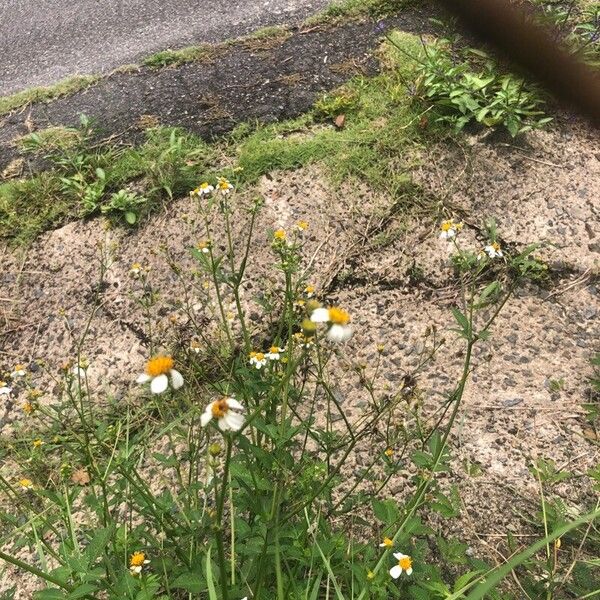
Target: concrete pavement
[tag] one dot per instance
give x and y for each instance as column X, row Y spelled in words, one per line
column 44, row 41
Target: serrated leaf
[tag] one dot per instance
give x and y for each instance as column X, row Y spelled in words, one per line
column 191, row 582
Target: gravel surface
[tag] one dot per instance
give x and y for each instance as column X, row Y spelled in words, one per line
column 44, row 41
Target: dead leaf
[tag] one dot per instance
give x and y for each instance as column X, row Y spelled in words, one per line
column 339, row 121
column 80, row 477
column 13, row 169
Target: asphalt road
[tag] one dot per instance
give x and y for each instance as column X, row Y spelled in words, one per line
column 44, row 41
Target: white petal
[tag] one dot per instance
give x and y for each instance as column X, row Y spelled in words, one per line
column 233, row 403
column 319, row 315
column 235, row 421
column 409, row 571
column 159, row 384
column 399, row 555
column 451, row 233
column 176, row 379
column 206, row 416
column 339, row 333
column 443, row 235
column 143, row 378
column 396, row 571
column 223, row 424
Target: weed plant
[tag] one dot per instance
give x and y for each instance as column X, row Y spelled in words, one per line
column 254, row 446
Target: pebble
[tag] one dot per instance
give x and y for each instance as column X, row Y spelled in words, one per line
column 510, row 402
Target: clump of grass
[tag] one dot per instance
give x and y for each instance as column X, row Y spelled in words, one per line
column 85, row 182
column 344, row 9
column 50, row 139
column 39, row 94
column 30, row 206
column 167, row 58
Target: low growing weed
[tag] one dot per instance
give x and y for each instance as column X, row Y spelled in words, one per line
column 252, row 440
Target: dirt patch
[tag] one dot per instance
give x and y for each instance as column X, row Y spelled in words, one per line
column 264, row 80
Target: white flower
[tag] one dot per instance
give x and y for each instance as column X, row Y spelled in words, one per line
column 449, row 229
column 4, row 389
column 493, row 250
column 228, row 412
column 387, row 543
column 137, row 562
column 274, row 353
column 136, row 269
column 339, row 330
column 404, row 564
column 157, row 371
column 224, row 186
column 204, row 189
column 258, row 359
column 203, row 246
column 320, row 315
column 195, row 346
column 18, row 371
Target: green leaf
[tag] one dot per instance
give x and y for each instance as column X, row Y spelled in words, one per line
column 49, row 594
column 191, row 582
column 81, row 591
column 386, row 511
column 98, row 543
column 461, row 320
column 212, row 592
column 130, row 217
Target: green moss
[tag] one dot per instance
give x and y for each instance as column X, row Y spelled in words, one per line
column 344, row 9
column 29, row 207
column 178, row 57
column 38, row 94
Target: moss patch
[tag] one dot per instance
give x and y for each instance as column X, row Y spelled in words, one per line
column 39, row 94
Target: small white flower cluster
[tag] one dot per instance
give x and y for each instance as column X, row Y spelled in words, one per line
column 260, row 359
column 223, row 187
column 450, row 229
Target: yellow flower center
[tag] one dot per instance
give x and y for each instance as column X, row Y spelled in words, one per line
column 204, row 185
column 28, row 408
column 26, row 483
column 389, row 452
column 302, row 225
column 19, row 368
column 137, row 559
column 223, row 184
column 279, row 234
column 405, row 562
column 274, row 350
column 496, row 246
column 388, row 542
column 447, row 225
column 309, row 289
column 370, row 575
column 258, row 355
column 219, row 408
column 136, row 266
column 159, row 365
column 37, row 443
column 338, row 316
column 2, row 383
